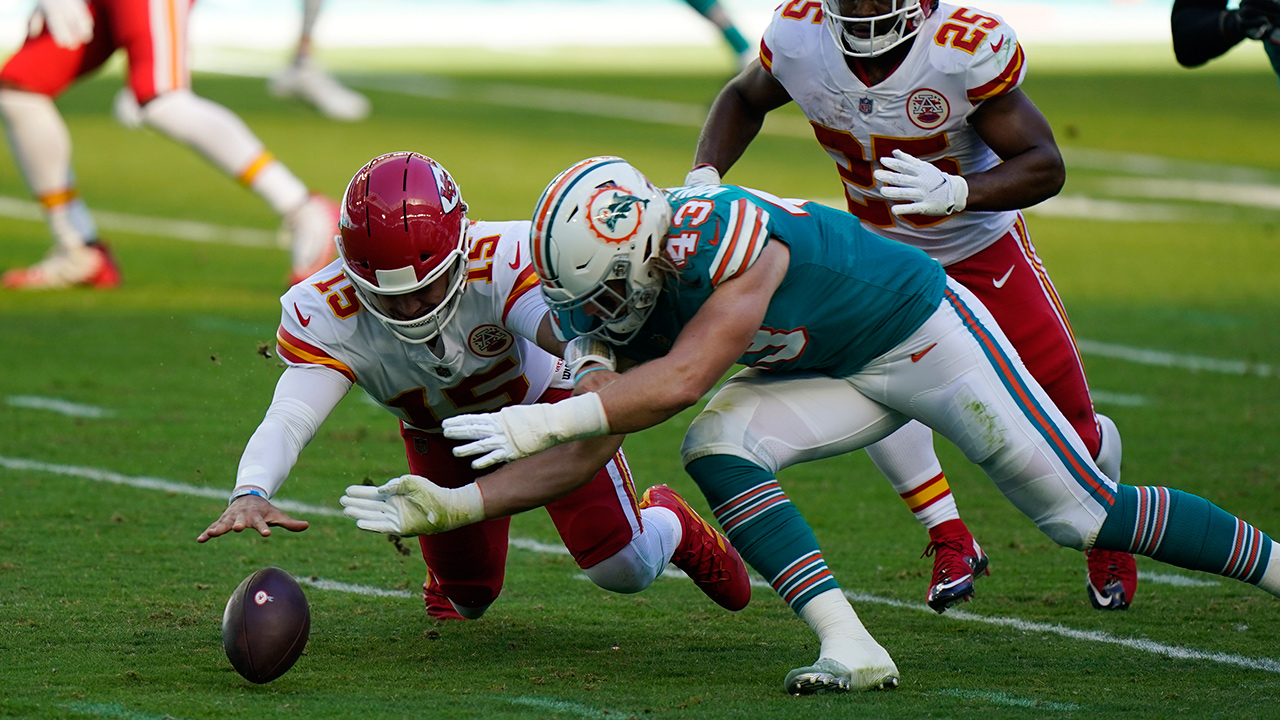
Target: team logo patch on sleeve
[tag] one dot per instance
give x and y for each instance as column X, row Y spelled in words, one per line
column 928, row 108
column 489, row 341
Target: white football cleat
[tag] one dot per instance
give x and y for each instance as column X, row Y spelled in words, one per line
column 311, row 230
column 89, row 266
column 827, row 676
column 126, row 109
column 307, row 81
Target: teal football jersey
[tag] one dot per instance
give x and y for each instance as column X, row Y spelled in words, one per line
column 848, row 296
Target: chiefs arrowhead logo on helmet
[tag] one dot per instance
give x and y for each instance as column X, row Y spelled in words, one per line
column 448, row 189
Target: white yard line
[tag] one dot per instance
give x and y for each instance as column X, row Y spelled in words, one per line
column 1160, row 358
column 70, row 409
column 170, row 486
column 188, row 230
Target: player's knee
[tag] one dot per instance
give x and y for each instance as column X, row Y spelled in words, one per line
column 625, row 572
column 717, row 432
column 470, row 613
column 169, row 112
column 1110, row 451
column 14, row 102
column 470, row 600
column 1067, row 532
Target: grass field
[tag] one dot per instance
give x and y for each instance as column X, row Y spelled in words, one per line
column 109, row 608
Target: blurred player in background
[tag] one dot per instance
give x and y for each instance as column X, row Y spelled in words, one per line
column 305, row 79
column 434, row 315
column 1205, row 29
column 714, row 11
column 69, row 39
column 931, row 94
column 847, row 336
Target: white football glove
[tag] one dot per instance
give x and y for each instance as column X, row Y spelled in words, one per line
column 412, row 505
column 931, row 191
column 521, row 430
column 702, row 175
column 69, row 22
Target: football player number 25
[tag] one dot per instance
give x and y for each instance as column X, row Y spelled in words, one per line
column 855, row 168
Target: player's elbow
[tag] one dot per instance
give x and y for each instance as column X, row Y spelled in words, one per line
column 680, row 392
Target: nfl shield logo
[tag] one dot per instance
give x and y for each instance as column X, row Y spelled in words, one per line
column 864, row 106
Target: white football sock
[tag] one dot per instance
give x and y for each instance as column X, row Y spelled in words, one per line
column 907, row 460
column 636, row 566
column 843, row 637
column 41, row 145
column 224, row 140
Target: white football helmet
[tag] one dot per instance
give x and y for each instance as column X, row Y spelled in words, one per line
column 875, row 34
column 597, row 230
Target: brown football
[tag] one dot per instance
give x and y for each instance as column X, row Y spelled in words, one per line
column 265, row 625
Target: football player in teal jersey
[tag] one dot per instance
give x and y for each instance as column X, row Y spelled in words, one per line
column 846, row 336
column 713, row 11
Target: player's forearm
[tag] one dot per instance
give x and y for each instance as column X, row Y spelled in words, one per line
column 1019, row 182
column 545, row 477
column 730, row 127
column 304, row 397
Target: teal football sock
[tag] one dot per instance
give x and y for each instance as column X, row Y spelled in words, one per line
column 1185, row 530
column 764, row 526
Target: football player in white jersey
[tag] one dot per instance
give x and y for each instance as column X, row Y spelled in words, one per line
column 70, row 39
column 434, row 315
column 937, row 147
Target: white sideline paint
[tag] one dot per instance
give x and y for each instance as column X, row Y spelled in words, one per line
column 1225, row 193
column 567, row 707
column 35, row 402
column 1160, row 358
column 322, row 584
column 1175, row 580
column 1265, row 664
column 999, row 698
column 1148, row 646
column 1122, row 399
column 188, row 230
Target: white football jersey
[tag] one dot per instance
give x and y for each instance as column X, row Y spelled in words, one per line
column 485, row 358
column 960, row 58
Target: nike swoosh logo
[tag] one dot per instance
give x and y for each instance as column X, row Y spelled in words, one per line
column 995, row 47
column 1000, row 283
column 515, row 265
column 915, row 357
column 304, row 320
column 1103, row 600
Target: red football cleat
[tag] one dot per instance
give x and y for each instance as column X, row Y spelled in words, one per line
column 438, row 606
column 91, row 266
column 704, row 554
column 957, row 560
column 1113, row 579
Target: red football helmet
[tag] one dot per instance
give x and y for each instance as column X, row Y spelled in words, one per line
column 403, row 227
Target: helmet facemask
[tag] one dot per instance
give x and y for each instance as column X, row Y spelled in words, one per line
column 620, row 304
column 877, row 34
column 377, row 298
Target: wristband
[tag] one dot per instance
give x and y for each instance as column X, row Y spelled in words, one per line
column 578, row 378
column 246, row 491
